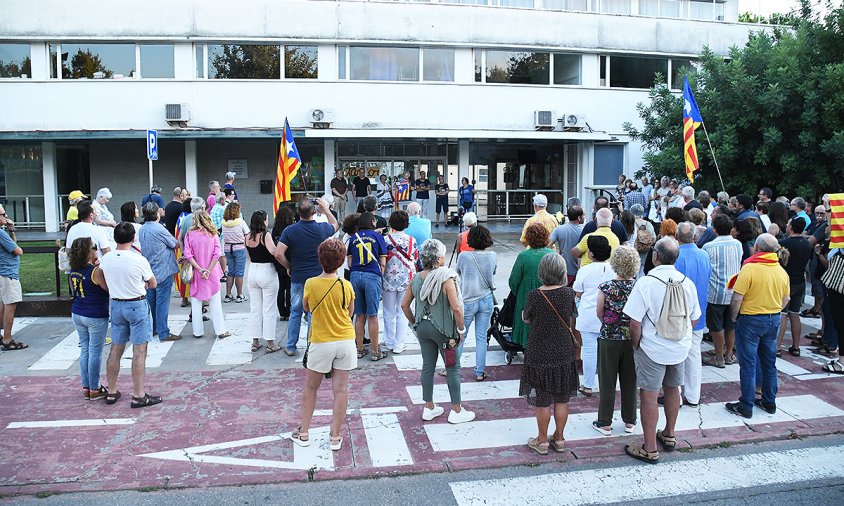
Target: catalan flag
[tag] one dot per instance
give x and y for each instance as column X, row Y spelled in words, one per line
column 402, row 190
column 289, row 162
column 836, row 220
column 691, row 121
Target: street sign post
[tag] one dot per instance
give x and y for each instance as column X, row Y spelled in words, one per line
column 152, row 150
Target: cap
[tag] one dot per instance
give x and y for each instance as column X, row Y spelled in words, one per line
column 76, row 194
column 540, row 200
column 230, row 174
column 104, row 192
column 637, row 210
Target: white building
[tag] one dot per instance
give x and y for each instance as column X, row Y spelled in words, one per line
column 446, row 86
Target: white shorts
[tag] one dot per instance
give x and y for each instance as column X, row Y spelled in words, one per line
column 340, row 355
column 10, row 290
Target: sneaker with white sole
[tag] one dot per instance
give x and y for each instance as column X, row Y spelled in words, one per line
column 430, row 414
column 399, row 349
column 462, row 417
column 600, row 428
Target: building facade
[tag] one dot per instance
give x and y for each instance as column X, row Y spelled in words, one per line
column 521, row 96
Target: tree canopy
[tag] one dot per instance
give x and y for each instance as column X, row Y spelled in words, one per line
column 774, row 110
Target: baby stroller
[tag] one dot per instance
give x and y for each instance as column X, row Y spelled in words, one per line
column 501, row 328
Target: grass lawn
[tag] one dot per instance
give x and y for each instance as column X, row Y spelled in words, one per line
column 38, row 270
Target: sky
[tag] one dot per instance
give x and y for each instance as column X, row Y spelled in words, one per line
column 768, row 7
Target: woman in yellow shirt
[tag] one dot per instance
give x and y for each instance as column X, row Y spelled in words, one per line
column 331, row 340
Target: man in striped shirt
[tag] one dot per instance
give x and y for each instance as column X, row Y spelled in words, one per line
column 725, row 256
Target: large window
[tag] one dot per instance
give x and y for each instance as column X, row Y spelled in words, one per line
column 681, row 67
column 635, row 71
column 661, row 8
column 609, row 163
column 15, row 61
column 438, row 64
column 300, row 62
column 243, row 61
column 383, row 63
column 157, row 61
column 524, row 67
column 565, row 5
column 97, row 61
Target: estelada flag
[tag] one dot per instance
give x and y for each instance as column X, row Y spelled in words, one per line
column 691, row 121
column 289, row 162
column 836, row 220
column 402, row 190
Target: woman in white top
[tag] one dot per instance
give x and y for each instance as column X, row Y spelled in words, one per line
column 102, row 216
column 586, row 284
column 383, row 193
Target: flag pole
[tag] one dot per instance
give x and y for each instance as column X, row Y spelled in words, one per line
column 713, row 156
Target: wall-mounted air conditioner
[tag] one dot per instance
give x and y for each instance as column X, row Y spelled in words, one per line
column 322, row 118
column 178, row 114
column 573, row 122
column 544, row 120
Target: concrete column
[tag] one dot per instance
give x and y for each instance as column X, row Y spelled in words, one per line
column 330, row 164
column 462, row 160
column 51, row 193
column 191, row 174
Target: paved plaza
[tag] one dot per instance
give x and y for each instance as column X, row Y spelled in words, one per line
column 228, row 413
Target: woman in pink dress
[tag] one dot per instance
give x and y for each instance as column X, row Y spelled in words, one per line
column 202, row 250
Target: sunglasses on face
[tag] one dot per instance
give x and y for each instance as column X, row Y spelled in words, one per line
column 3, row 214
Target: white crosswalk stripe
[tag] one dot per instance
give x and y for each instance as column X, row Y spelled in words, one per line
column 235, row 349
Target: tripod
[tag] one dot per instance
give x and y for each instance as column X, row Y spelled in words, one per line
column 460, row 212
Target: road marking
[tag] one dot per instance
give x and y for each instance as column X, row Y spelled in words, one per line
column 514, row 432
column 96, row 422
column 640, row 482
column 467, row 359
column 317, row 455
column 156, row 350
column 385, row 440
column 235, row 349
column 60, row 356
column 364, row 411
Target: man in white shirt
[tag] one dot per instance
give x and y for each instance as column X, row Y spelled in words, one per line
column 128, row 275
column 86, row 228
column 659, row 360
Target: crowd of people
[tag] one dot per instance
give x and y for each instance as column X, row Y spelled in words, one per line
column 631, row 290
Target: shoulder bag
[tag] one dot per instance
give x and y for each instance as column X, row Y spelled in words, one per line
column 574, row 340
column 310, row 321
column 186, row 272
column 833, row 278
column 488, row 284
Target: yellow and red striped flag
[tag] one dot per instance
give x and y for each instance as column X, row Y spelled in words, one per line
column 836, row 220
column 289, row 162
column 691, row 121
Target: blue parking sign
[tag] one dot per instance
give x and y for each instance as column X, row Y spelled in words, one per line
column 152, row 144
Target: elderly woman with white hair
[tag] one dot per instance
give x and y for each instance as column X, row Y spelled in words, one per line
column 102, row 216
column 439, row 326
column 470, row 219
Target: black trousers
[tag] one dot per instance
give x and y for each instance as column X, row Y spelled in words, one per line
column 283, row 299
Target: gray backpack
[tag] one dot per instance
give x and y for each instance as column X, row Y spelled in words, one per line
column 673, row 322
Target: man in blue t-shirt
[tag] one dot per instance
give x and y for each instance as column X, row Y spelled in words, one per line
column 10, row 285
column 367, row 259
column 154, row 196
column 297, row 252
column 423, row 192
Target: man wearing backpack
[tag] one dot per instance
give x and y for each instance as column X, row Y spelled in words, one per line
column 760, row 293
column 663, row 308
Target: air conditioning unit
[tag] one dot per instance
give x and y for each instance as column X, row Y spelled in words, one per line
column 178, row 114
column 573, row 122
column 544, row 120
column 322, row 118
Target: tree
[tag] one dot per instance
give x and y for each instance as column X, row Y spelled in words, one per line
column 84, row 64
column 237, row 61
column 774, row 110
column 300, row 62
column 15, row 69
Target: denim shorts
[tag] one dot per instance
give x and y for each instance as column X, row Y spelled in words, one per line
column 131, row 321
column 236, row 262
column 367, row 287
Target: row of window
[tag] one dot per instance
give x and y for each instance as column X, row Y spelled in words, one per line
column 355, row 63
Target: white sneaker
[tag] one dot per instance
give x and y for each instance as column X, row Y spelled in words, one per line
column 430, row 414
column 464, row 416
column 399, row 349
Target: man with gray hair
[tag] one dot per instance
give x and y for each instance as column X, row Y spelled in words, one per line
column 213, row 190
column 659, row 358
column 158, row 246
column 760, row 293
column 798, row 205
column 604, row 221
column 541, row 215
column 419, row 227
column 694, row 263
column 230, row 175
column 689, row 201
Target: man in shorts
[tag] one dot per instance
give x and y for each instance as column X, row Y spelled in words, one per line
column 725, row 257
column 659, row 360
column 128, row 276
column 441, row 192
column 10, row 284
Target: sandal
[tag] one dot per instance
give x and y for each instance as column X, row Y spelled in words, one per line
column 814, row 336
column 639, row 453
column 13, row 346
column 443, row 373
column 794, row 352
column 361, row 354
column 271, row 348
column 335, row 443
column 146, row 400
column 540, row 448
column 823, row 349
column 301, row 438
column 86, row 393
column 585, row 391
column 111, row 398
column 558, row 445
column 375, row 357
column 834, row 367
column 256, row 347
column 480, row 377
column 224, row 335
column 808, row 313
column 668, row 442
